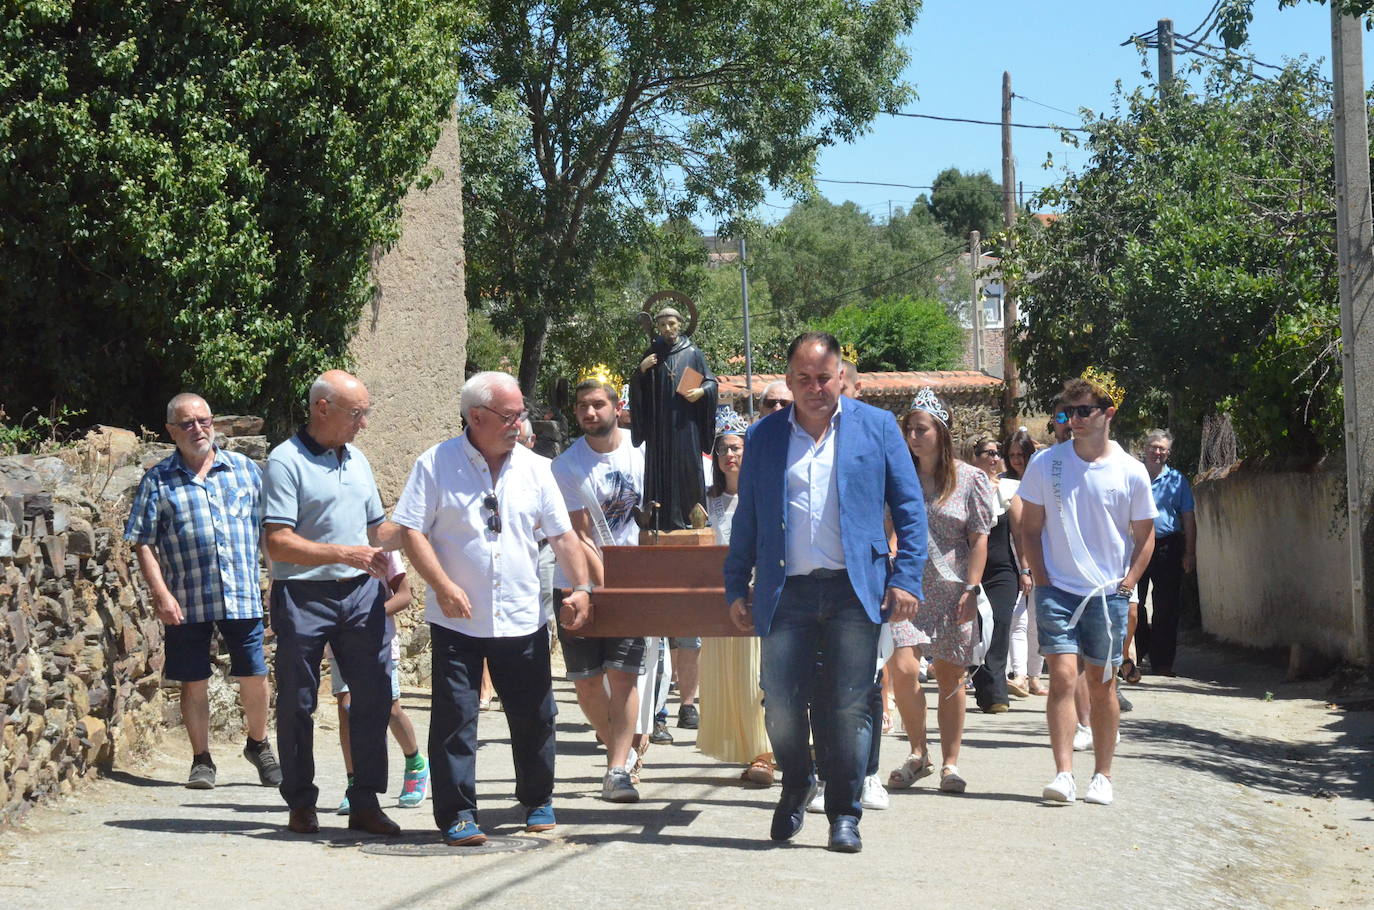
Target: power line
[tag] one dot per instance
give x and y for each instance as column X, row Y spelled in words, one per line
column 1044, row 105
column 906, row 186
column 1024, row 126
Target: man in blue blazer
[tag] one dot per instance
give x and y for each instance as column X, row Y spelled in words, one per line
column 816, row 482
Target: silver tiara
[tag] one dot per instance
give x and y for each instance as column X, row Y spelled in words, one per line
column 925, row 400
column 730, row 422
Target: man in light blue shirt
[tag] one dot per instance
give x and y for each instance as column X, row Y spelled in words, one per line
column 1175, row 555
column 323, row 519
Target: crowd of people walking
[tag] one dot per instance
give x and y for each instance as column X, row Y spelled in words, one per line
column 866, row 555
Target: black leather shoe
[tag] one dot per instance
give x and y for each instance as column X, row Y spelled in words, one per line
column 790, row 813
column 304, row 821
column 844, row 835
column 373, row 821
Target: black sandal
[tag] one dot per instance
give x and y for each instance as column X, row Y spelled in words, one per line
column 1129, row 672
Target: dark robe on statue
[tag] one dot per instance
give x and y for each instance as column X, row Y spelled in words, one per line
column 676, row 433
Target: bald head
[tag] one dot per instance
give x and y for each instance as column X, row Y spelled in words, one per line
column 775, row 395
column 331, row 382
column 339, row 406
column 184, row 400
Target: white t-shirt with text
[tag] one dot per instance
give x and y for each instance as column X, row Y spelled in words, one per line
column 617, row 484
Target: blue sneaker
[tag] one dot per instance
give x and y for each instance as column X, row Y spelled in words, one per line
column 344, row 807
column 540, row 818
column 413, row 789
column 464, row 833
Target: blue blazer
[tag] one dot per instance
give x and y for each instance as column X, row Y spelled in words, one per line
column 874, row 469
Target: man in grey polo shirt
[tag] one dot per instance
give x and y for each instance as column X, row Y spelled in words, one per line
column 323, row 518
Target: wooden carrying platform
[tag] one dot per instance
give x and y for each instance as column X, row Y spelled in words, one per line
column 664, row 590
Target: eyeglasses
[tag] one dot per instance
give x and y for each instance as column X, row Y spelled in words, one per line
column 204, row 423
column 494, row 519
column 732, row 450
column 509, row 420
column 989, row 453
column 354, row 414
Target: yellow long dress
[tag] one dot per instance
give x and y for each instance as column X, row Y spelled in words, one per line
column 732, row 726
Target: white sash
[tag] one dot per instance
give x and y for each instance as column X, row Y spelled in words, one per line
column 1079, row 551
column 980, row 647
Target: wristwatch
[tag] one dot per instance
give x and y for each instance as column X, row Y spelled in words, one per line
column 971, row 589
column 1125, row 590
column 1027, row 572
column 585, row 589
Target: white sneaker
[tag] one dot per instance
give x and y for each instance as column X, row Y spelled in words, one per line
column 617, row 788
column 1062, row 789
column 1083, row 739
column 874, row 795
column 1099, row 791
column 817, row 803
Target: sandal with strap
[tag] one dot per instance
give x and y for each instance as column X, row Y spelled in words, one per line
column 913, row 769
column 1129, row 672
column 760, row 772
column 950, row 781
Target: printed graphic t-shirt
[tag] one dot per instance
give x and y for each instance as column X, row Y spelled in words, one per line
column 616, row 483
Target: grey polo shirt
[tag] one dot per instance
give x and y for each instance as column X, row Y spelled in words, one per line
column 326, row 495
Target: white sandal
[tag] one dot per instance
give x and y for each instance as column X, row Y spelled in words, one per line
column 913, row 769
column 950, row 781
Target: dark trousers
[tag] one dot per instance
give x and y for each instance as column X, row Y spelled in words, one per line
column 990, row 680
column 350, row 617
column 875, row 720
column 523, row 679
column 1157, row 635
column 820, row 618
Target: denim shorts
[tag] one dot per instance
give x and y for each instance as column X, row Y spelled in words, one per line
column 187, row 649
column 339, row 687
column 685, row 644
column 1097, row 638
column 585, row 657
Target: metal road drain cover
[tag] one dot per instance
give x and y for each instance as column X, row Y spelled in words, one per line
column 430, row 845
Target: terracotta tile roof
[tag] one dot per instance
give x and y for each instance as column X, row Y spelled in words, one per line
column 880, row 384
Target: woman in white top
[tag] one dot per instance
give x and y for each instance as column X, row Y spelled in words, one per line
column 732, row 725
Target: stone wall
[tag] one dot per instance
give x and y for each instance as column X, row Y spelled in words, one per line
column 1274, row 561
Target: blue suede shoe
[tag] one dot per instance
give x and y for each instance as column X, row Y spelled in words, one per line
column 790, row 813
column 844, row 835
column 540, row 818
column 464, row 833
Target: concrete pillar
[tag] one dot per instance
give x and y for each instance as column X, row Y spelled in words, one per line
column 411, row 342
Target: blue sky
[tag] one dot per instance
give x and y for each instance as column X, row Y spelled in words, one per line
column 1063, row 53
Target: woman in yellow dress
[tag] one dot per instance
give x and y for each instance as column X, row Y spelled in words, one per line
column 732, row 725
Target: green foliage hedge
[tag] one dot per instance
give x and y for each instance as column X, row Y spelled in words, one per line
column 191, row 193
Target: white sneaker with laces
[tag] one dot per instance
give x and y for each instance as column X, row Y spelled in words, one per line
column 617, row 788
column 817, row 803
column 874, row 795
column 1099, row 791
column 1062, row 789
column 1083, row 739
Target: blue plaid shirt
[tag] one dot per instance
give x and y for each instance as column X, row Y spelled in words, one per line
column 205, row 533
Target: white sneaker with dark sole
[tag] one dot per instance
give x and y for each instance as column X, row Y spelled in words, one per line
column 617, row 788
column 817, row 803
column 873, row 796
column 1062, row 789
column 1099, row 791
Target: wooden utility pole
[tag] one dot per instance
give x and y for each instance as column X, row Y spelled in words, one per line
column 1165, row 36
column 975, row 258
column 748, row 345
column 1355, row 249
column 1011, row 383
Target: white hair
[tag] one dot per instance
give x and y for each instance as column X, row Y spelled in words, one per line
column 183, row 398
column 526, row 428
column 776, row 383
column 321, row 388
column 1160, row 434
column 480, row 389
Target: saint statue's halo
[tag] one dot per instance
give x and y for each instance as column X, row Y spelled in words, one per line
column 646, row 315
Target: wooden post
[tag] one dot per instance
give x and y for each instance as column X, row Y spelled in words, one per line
column 1355, row 249
column 1165, row 36
column 975, row 259
column 1011, row 384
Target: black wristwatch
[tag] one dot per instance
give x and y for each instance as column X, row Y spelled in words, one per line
column 972, row 589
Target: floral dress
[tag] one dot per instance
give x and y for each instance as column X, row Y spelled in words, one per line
column 967, row 510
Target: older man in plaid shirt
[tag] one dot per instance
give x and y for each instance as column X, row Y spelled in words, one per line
column 196, row 524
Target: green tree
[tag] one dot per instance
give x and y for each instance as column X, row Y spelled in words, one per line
column 966, row 202
column 1235, row 16
column 1194, row 258
column 192, row 192
column 591, row 122
column 899, row 333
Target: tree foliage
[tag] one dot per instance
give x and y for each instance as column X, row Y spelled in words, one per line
column 1234, row 16
column 192, row 192
column 966, row 202
column 1194, row 258
column 899, row 333
column 592, row 122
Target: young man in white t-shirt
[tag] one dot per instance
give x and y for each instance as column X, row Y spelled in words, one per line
column 601, row 476
column 1088, row 532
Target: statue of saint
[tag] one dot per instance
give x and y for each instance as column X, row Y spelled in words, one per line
column 673, row 407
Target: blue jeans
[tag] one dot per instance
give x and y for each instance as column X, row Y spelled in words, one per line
column 820, row 620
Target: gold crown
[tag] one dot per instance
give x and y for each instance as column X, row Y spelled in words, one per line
column 1105, row 383
column 599, row 372
column 850, row 353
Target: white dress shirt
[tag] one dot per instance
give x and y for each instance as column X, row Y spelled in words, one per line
column 813, row 499
column 499, row 572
